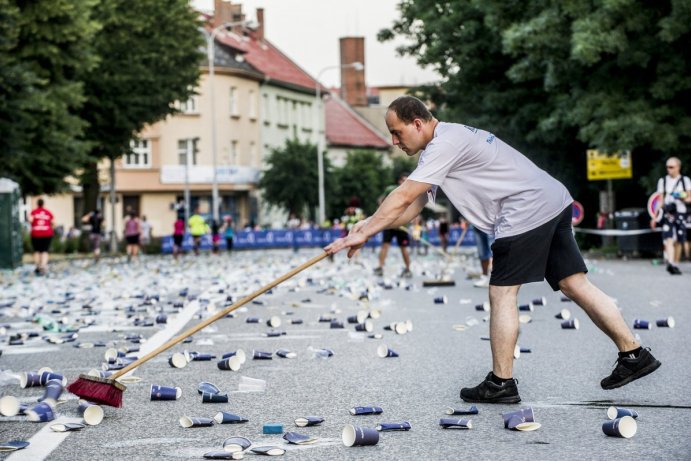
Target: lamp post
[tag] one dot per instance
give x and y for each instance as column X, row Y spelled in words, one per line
column 210, row 41
column 320, row 139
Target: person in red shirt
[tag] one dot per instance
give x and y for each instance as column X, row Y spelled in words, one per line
column 41, row 236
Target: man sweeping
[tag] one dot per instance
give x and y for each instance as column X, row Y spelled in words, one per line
column 504, row 194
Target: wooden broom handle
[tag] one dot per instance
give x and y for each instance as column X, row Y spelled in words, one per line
column 172, row 342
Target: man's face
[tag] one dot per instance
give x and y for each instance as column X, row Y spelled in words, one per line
column 673, row 168
column 408, row 137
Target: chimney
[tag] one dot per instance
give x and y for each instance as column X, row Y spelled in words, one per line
column 225, row 11
column 353, row 88
column 259, row 33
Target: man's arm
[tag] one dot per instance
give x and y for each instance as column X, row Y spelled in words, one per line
column 396, row 209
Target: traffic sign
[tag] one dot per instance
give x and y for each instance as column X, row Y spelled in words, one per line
column 577, row 213
column 654, row 204
column 604, row 165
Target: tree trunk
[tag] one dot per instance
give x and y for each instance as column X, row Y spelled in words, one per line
column 90, row 186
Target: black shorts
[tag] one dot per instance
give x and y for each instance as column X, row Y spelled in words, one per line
column 41, row 244
column 177, row 240
column 132, row 239
column 401, row 237
column 547, row 252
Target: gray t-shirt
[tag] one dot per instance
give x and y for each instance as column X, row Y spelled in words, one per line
column 674, row 185
column 493, row 185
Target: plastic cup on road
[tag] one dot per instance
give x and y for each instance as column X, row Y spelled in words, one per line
column 571, row 324
column 9, row 406
column 92, row 413
column 666, row 322
column 641, row 324
column 383, row 351
column 615, row 412
column 239, row 353
column 231, row 363
column 621, row 427
column 354, row 436
column 164, row 392
column 178, row 360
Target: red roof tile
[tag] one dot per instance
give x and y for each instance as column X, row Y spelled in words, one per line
column 269, row 60
column 344, row 127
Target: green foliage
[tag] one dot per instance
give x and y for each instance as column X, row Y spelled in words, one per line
column 363, row 177
column 291, row 180
column 45, row 46
column 402, row 165
column 555, row 78
column 150, row 55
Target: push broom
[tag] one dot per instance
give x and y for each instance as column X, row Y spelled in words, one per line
column 108, row 391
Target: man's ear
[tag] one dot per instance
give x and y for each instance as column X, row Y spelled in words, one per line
column 418, row 124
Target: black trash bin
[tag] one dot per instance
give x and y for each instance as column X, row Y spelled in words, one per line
column 10, row 225
column 649, row 244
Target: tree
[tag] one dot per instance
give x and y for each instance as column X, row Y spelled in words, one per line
column 44, row 51
column 291, row 180
column 363, row 177
column 402, row 165
column 150, row 56
column 555, row 78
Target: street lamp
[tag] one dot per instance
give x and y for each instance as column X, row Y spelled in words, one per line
column 320, row 139
column 210, row 41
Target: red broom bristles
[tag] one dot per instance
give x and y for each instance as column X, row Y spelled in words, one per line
column 98, row 390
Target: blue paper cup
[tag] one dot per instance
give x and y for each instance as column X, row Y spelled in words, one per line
column 30, row 379
column 571, row 324
column 525, row 307
column 201, row 357
column 366, row 411
column 353, row 319
column 383, row 351
column 459, row 411
column 92, row 413
column 189, row 421
column 564, row 314
column 666, row 322
column 539, row 301
column 262, row 355
column 389, row 427
column 615, row 412
column 354, row 436
column 308, row 421
column 239, row 353
column 252, row 320
column 9, row 406
column 456, row 423
column 286, row 354
column 441, row 300
column 208, row 397
column 53, row 391
column 236, row 444
column 231, row 363
column 641, row 324
column 484, row 307
column 621, row 427
column 514, row 418
column 178, row 360
column 274, row 322
column 335, row 324
column 164, row 392
column 41, row 413
column 367, row 326
column 224, row 417
column 113, row 353
column 161, row 319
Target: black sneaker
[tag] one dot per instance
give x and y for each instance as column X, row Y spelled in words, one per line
column 489, row 392
column 673, row 270
column 629, row 369
column 379, row 271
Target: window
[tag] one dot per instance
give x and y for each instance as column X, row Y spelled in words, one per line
column 282, row 104
column 140, row 155
column 253, row 105
column 188, row 147
column 267, row 109
column 233, row 152
column 234, row 112
column 308, row 117
column 189, row 106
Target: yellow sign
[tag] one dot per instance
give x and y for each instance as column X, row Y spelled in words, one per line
column 603, row 165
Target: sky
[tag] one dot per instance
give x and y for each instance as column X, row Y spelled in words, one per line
column 307, row 31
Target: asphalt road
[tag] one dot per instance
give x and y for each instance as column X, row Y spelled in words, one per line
column 559, row 378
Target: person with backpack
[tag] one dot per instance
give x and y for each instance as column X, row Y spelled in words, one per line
column 676, row 196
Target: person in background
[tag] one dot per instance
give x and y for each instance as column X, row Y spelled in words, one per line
column 443, row 232
column 95, row 222
column 198, row 228
column 228, row 232
column 483, row 242
column 41, row 236
column 676, row 196
column 132, row 234
column 147, row 232
column 178, row 236
column 402, row 239
column 215, row 236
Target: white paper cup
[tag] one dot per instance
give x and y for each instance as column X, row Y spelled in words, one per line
column 9, row 406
